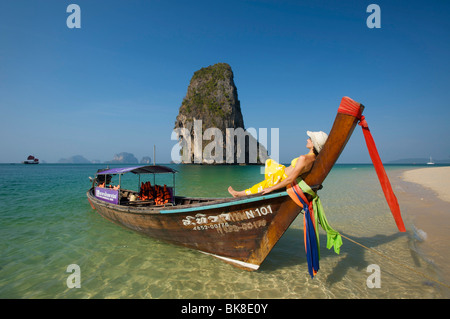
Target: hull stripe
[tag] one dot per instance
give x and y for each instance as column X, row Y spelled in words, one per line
column 227, row 204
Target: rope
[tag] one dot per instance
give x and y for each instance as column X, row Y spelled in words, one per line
column 397, row 262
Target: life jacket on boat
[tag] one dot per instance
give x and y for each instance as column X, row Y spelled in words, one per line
column 149, row 191
column 141, row 191
column 159, row 195
column 167, row 197
column 145, row 191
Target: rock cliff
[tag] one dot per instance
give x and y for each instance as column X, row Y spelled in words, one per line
column 210, row 125
column 123, row 158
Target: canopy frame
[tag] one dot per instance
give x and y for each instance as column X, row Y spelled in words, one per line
column 139, row 170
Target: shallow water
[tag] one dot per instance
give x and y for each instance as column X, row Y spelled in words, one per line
column 47, row 224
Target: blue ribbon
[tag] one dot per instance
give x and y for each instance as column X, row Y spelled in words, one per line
column 312, row 252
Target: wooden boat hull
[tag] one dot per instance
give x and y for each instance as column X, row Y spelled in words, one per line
column 241, row 231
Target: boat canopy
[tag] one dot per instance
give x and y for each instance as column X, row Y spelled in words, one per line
column 147, row 169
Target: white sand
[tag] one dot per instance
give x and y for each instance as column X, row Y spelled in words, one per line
column 435, row 178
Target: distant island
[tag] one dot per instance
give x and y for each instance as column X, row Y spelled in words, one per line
column 120, row 158
column 123, row 157
column 76, row 159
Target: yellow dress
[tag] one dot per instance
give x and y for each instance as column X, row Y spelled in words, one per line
column 273, row 174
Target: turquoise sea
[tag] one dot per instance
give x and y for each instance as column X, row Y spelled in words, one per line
column 47, row 224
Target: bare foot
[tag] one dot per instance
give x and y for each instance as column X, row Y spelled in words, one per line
column 235, row 193
column 232, row 191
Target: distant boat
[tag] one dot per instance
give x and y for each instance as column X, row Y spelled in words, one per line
column 31, row 160
column 431, row 161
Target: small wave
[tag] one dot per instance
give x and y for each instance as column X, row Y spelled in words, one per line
column 419, row 234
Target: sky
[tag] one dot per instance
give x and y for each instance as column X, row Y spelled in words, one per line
column 116, row 84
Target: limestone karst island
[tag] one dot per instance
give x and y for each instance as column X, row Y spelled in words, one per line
column 210, row 125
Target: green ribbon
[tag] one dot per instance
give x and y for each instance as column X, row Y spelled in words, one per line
column 333, row 237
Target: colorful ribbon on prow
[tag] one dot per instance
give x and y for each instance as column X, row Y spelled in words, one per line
column 350, row 107
column 310, row 235
column 314, row 215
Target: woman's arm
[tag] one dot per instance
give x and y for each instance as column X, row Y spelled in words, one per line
column 300, row 167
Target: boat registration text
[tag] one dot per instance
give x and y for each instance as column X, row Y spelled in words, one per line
column 226, row 222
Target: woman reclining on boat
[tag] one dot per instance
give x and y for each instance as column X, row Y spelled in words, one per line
column 278, row 176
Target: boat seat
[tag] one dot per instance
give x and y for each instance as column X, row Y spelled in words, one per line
column 142, row 202
column 164, row 205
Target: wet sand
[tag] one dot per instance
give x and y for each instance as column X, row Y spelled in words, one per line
column 424, row 198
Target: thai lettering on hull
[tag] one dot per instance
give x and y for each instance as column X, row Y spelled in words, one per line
column 222, row 221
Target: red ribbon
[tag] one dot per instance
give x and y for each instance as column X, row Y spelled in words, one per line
column 350, row 107
column 382, row 177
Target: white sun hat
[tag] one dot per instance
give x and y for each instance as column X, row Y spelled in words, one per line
column 318, row 139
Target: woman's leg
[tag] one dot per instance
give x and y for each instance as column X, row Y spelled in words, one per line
column 252, row 190
column 235, row 193
column 274, row 173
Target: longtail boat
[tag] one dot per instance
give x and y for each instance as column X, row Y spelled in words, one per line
column 240, row 231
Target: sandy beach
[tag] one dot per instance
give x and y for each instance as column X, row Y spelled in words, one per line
column 424, row 198
column 434, row 178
